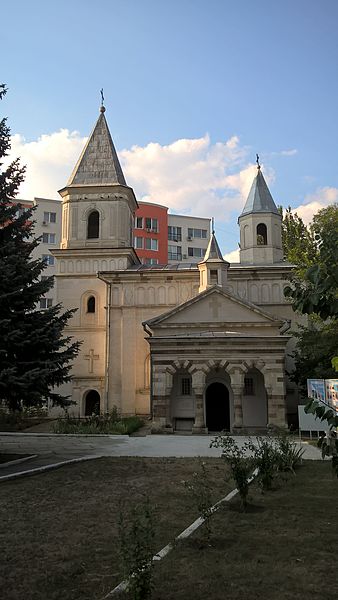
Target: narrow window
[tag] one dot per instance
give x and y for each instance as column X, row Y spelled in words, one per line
column 261, row 235
column 186, row 386
column 249, row 386
column 91, row 304
column 93, row 225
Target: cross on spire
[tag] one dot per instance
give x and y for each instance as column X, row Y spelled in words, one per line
column 257, row 161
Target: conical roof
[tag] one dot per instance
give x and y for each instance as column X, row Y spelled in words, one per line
column 213, row 251
column 259, row 199
column 98, row 163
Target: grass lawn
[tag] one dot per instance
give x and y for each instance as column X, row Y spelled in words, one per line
column 58, row 534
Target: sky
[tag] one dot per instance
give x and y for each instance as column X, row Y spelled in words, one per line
column 193, row 90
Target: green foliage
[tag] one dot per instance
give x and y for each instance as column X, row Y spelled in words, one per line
column 35, row 355
column 136, row 536
column 329, row 447
column 266, row 460
column 200, row 488
column 95, row 424
column 316, row 344
column 316, row 291
column 18, row 420
column 322, row 411
column 299, row 243
column 240, row 464
column 288, row 453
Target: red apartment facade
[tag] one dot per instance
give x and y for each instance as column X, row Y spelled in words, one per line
column 151, row 233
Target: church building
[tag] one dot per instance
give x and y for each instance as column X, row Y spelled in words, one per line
column 196, row 347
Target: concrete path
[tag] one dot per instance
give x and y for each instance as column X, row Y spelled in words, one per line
column 53, row 448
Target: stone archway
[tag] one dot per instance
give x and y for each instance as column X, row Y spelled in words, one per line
column 217, row 407
column 92, row 403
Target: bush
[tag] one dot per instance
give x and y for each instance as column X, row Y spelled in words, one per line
column 289, row 454
column 96, row 424
column 241, row 465
column 265, row 456
column 200, row 488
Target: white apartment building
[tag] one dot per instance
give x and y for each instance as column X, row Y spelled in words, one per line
column 188, row 238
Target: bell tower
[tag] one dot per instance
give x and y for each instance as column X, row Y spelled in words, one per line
column 213, row 268
column 260, row 226
column 97, row 204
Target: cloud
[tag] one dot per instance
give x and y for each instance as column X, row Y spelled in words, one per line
column 49, row 161
column 314, row 202
column 232, row 257
column 288, row 152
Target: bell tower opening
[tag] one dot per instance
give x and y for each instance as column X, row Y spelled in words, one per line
column 262, row 234
column 93, row 225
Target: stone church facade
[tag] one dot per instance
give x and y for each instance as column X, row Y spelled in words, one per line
column 196, row 347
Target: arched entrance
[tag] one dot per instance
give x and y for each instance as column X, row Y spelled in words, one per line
column 217, row 407
column 92, row 403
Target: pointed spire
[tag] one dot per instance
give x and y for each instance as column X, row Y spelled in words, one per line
column 213, row 251
column 98, row 163
column 259, row 199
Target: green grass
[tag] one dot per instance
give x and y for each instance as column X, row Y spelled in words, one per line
column 59, row 539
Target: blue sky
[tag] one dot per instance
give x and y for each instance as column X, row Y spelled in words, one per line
column 237, row 77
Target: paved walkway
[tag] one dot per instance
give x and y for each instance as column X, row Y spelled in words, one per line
column 53, row 448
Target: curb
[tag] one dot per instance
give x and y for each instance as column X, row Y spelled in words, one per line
column 17, row 461
column 45, row 468
column 66, row 435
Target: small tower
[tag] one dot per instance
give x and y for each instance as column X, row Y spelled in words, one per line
column 260, row 226
column 213, row 268
column 97, row 204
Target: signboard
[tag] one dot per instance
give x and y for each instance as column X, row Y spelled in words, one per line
column 331, row 392
column 316, row 389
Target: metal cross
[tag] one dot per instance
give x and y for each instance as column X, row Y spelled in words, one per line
column 102, row 97
column 257, row 161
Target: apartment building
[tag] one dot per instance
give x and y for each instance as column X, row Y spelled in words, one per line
column 188, row 238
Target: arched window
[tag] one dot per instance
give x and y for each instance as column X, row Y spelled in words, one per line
column 91, row 304
column 93, row 225
column 262, row 237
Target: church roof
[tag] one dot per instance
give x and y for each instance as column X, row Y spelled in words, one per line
column 213, row 251
column 259, row 199
column 98, row 163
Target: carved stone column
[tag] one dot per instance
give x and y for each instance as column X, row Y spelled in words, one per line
column 198, row 385
column 237, row 373
column 162, row 384
column 274, row 378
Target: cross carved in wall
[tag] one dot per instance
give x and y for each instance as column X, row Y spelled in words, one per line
column 215, row 304
column 91, row 357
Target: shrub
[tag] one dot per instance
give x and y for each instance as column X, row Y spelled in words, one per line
column 95, row 424
column 289, row 454
column 241, row 465
column 136, row 535
column 200, row 488
column 265, row 457
column 329, row 447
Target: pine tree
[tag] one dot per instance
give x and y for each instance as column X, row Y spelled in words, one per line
column 35, row 355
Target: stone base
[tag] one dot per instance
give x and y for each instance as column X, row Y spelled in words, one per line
column 199, row 430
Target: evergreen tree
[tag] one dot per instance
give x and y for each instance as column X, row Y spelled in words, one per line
column 35, row 356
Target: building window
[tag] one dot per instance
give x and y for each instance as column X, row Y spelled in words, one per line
column 151, row 225
column 49, row 259
column 151, row 244
column 262, row 235
column 138, row 223
column 49, row 217
column 93, row 225
column 174, row 252
column 91, row 304
column 196, row 252
column 150, row 261
column 174, row 234
column 186, row 386
column 249, row 386
column 46, row 303
column 48, row 238
column 197, row 233
column 138, row 242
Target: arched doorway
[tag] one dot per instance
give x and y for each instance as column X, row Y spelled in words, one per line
column 92, row 403
column 217, row 407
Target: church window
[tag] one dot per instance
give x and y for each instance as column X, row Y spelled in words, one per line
column 261, row 234
column 93, row 225
column 138, row 242
column 138, row 222
column 213, row 276
column 174, row 233
column 91, row 304
column 151, row 244
column 186, row 386
column 249, row 386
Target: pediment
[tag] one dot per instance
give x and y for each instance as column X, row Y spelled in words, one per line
column 214, row 306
